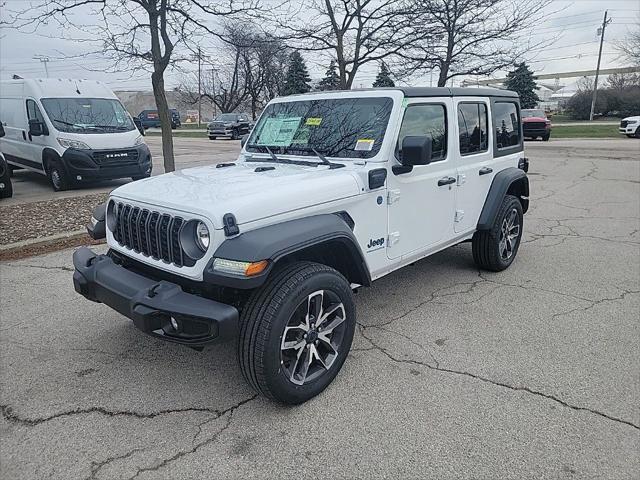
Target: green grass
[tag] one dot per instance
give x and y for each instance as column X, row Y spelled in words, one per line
column 560, row 118
column 586, row 131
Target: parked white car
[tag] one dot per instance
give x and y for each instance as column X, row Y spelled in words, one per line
column 331, row 191
column 70, row 130
column 630, row 126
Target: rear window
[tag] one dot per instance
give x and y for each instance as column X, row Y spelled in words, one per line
column 507, row 124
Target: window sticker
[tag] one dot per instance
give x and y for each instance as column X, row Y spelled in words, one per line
column 279, row 132
column 364, row 144
column 313, row 121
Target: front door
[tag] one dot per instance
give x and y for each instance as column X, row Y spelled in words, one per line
column 421, row 202
column 34, row 145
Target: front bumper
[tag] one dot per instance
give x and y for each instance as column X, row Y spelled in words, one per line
column 153, row 304
column 538, row 132
column 629, row 129
column 94, row 164
column 220, row 132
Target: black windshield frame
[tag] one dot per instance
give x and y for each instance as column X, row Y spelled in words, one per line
column 335, row 127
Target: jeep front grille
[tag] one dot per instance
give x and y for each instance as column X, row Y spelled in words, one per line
column 150, row 233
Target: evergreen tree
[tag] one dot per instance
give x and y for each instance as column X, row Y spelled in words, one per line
column 297, row 80
column 384, row 77
column 331, row 80
column 521, row 80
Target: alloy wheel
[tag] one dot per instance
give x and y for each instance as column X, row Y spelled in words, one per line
column 509, row 233
column 313, row 337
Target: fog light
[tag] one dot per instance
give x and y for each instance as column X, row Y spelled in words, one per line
column 174, row 323
column 78, row 177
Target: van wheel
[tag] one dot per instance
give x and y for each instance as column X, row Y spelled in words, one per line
column 495, row 249
column 58, row 177
column 296, row 332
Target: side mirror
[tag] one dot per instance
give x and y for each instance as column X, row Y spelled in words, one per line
column 36, row 128
column 416, row 150
column 244, row 139
column 1, row 130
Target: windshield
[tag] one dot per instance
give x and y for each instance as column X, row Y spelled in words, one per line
column 226, row 117
column 340, row 127
column 87, row 115
column 533, row 113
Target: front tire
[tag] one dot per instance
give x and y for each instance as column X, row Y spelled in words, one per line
column 546, row 137
column 58, row 177
column 637, row 134
column 296, row 332
column 495, row 249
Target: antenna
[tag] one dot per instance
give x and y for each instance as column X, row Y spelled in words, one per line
column 43, row 59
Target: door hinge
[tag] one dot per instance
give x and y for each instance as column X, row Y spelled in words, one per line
column 393, row 196
column 462, row 179
column 459, row 215
column 394, row 238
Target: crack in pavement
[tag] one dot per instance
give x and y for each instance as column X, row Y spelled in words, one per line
column 205, row 442
column 496, row 383
column 9, row 415
column 97, row 466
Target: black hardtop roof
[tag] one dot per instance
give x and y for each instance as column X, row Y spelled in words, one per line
column 411, row 92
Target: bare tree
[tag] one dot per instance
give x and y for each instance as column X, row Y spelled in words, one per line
column 629, row 46
column 352, row 32
column 139, row 34
column 467, row 37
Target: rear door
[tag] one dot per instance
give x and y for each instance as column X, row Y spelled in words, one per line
column 421, row 210
column 474, row 160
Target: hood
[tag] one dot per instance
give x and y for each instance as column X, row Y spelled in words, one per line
column 534, row 119
column 635, row 118
column 103, row 141
column 212, row 192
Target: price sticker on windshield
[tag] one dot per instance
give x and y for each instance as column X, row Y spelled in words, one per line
column 364, row 144
column 313, row 121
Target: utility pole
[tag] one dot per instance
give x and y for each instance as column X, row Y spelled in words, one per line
column 605, row 22
column 213, row 83
column 43, row 59
column 199, row 86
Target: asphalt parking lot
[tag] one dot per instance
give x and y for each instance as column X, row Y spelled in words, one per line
column 189, row 152
column 454, row 373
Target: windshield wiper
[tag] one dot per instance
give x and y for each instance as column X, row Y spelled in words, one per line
column 318, row 154
column 279, row 160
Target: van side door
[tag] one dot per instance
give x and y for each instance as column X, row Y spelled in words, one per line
column 421, row 202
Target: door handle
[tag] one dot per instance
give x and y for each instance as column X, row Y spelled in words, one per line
column 485, row 171
column 446, row 181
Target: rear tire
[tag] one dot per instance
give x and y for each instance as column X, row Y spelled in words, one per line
column 58, row 176
column 285, row 352
column 495, row 249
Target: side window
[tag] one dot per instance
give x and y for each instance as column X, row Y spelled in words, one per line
column 472, row 124
column 426, row 120
column 33, row 112
column 507, row 124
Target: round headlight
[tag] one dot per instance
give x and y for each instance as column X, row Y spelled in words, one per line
column 202, row 236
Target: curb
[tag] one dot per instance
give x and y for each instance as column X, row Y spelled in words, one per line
column 34, row 241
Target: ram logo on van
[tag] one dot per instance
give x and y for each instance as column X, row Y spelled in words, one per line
column 116, row 155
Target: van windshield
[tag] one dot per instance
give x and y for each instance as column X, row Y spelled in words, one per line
column 339, row 127
column 87, row 115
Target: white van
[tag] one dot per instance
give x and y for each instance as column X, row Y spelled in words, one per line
column 70, row 130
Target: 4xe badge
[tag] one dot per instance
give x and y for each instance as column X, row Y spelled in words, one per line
column 375, row 244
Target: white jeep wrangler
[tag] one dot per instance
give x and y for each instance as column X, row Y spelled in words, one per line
column 330, row 192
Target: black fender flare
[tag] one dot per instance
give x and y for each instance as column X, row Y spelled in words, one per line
column 281, row 240
column 510, row 180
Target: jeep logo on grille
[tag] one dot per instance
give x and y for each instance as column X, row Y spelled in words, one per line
column 116, row 155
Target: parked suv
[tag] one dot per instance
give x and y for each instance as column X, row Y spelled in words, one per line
column 536, row 124
column 232, row 125
column 630, row 126
column 151, row 119
column 331, row 191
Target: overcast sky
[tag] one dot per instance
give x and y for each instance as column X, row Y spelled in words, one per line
column 573, row 31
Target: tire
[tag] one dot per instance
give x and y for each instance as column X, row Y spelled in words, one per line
column 277, row 312
column 58, row 177
column 637, row 134
column 545, row 138
column 211, row 138
column 234, row 134
column 489, row 250
column 629, row 135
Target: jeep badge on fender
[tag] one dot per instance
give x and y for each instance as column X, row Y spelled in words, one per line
column 331, row 191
